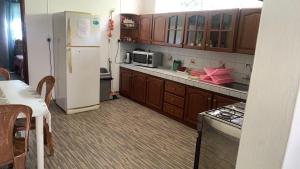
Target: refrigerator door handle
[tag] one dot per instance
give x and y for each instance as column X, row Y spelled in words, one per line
column 70, row 66
column 69, row 32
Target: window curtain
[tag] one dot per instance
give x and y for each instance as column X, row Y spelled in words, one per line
column 4, row 55
column 14, row 27
column 10, row 31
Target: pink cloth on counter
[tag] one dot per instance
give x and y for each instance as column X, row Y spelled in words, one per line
column 214, row 75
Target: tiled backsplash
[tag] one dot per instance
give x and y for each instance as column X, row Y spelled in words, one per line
column 198, row 59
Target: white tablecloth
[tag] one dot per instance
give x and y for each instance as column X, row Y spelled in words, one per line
column 17, row 92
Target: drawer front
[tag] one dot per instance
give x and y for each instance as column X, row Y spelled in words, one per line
column 173, row 111
column 175, row 88
column 174, row 100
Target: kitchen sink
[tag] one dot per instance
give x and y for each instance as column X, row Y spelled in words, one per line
column 237, row 86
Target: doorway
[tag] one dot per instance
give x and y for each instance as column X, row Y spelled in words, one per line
column 13, row 46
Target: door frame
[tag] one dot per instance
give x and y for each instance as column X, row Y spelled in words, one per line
column 24, row 39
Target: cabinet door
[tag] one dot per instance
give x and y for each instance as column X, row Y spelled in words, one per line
column 125, row 82
column 221, row 30
column 248, row 30
column 197, row 101
column 220, row 101
column 139, row 86
column 129, row 32
column 195, row 30
column 175, row 28
column 155, row 89
column 145, row 29
column 159, row 29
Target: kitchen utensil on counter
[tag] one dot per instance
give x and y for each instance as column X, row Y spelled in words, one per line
column 182, row 69
column 127, row 58
column 176, row 64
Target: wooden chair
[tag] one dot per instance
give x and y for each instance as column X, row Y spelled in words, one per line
column 4, row 73
column 11, row 151
column 49, row 81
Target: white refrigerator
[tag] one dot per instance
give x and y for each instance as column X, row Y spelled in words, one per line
column 76, row 51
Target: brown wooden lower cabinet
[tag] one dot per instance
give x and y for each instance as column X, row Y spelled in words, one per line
column 125, row 82
column 175, row 88
column 178, row 101
column 174, row 111
column 219, row 101
column 197, row 101
column 174, row 100
column 155, row 91
column 139, row 87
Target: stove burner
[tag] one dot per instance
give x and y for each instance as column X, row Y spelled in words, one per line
column 225, row 114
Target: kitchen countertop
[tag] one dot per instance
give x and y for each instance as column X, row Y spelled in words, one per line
column 185, row 79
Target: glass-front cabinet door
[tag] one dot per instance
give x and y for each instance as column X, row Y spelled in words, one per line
column 175, row 28
column 195, row 30
column 221, row 30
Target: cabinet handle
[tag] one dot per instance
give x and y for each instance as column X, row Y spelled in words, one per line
column 215, row 103
column 69, row 32
column 209, row 102
column 70, row 65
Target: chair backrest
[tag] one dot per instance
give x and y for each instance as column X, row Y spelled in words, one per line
column 5, row 73
column 8, row 116
column 50, row 81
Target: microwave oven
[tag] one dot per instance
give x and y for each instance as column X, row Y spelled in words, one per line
column 147, row 59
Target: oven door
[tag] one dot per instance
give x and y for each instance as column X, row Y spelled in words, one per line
column 218, row 149
column 140, row 59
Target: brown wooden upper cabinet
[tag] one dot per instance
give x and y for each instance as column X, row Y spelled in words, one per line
column 221, row 30
column 248, row 30
column 175, row 29
column 145, row 28
column 195, row 30
column 159, row 31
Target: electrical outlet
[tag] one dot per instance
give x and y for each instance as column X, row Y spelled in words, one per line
column 170, row 58
column 222, row 64
column 193, row 61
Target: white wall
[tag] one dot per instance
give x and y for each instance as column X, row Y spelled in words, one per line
column 162, row 6
column 291, row 159
column 147, row 6
column 138, row 6
column 273, row 88
column 39, row 27
column 131, row 6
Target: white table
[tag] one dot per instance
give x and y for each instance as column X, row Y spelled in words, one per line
column 17, row 92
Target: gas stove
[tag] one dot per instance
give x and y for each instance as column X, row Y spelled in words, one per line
column 220, row 130
column 232, row 114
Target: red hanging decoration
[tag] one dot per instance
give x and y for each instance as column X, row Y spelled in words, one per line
column 111, row 26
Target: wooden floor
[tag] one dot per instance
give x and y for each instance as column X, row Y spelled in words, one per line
column 121, row 135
